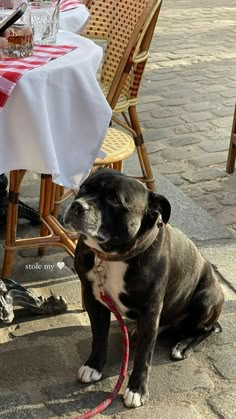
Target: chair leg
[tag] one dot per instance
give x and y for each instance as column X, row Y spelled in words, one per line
column 58, row 195
column 118, row 165
column 45, row 203
column 141, row 150
column 16, row 177
column 232, row 147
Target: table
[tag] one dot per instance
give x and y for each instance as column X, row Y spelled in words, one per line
column 57, row 116
column 74, row 20
column 53, row 123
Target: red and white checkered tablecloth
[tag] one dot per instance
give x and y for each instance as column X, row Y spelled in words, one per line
column 11, row 70
column 69, row 4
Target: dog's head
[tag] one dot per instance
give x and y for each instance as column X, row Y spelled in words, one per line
column 113, row 210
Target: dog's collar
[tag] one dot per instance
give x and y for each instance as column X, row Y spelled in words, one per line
column 142, row 244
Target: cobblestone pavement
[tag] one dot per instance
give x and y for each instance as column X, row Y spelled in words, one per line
column 188, row 101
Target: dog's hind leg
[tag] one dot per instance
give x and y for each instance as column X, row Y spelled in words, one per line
column 186, row 346
column 203, row 312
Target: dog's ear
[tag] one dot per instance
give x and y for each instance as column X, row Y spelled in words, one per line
column 158, row 204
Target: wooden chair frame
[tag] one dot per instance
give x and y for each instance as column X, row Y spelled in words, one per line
column 53, row 233
column 232, row 147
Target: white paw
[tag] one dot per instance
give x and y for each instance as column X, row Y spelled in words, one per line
column 176, row 353
column 132, row 399
column 88, row 375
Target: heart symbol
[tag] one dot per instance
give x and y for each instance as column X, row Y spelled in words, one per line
column 60, row 265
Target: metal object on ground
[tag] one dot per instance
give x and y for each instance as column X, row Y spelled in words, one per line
column 13, row 294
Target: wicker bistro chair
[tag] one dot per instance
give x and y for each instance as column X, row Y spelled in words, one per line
column 232, row 147
column 127, row 27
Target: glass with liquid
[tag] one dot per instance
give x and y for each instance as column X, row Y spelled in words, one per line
column 20, row 39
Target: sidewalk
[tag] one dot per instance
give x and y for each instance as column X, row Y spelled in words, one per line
column 186, row 109
column 188, row 101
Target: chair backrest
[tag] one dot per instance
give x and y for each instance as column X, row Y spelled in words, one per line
column 124, row 24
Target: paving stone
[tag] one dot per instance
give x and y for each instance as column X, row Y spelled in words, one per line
column 199, row 107
column 162, row 76
column 211, row 147
column 176, row 154
column 199, row 126
column 150, row 98
column 162, row 122
column 154, row 147
column 164, row 410
column 228, row 335
column 73, row 398
column 228, row 93
column 223, row 256
column 229, row 307
column 17, row 406
column 225, row 364
column 180, row 93
column 218, row 134
column 203, row 175
column 227, row 198
column 224, row 404
column 222, row 122
column 184, row 140
column 211, row 89
column 222, row 111
column 144, row 116
column 198, row 116
column 208, row 160
column 43, row 361
column 178, row 377
column 212, row 187
column 227, row 216
column 207, row 97
column 168, row 167
column 175, row 101
column 175, row 179
column 168, row 111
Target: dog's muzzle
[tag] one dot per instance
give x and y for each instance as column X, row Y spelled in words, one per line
column 76, row 209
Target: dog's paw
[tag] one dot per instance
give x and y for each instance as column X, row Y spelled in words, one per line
column 180, row 351
column 134, row 399
column 88, row 375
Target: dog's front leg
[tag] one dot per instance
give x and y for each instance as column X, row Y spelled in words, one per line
column 99, row 316
column 137, row 392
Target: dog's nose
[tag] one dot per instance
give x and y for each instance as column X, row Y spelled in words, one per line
column 78, row 206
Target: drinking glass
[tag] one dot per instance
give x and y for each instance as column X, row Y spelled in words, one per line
column 45, row 21
column 20, row 39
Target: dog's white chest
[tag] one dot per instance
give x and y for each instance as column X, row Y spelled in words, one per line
column 111, row 276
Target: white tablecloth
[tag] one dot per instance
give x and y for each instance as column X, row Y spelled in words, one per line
column 57, row 116
column 74, row 20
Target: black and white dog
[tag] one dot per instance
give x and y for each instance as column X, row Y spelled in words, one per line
column 153, row 273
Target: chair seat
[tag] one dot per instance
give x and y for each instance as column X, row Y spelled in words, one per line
column 118, row 145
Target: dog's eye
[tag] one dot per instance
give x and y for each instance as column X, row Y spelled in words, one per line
column 82, row 189
column 113, row 199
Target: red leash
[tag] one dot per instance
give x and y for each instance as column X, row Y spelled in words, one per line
column 125, row 359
